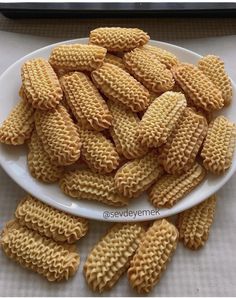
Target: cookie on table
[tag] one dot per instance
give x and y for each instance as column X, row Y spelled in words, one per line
column 87, row 185
column 85, row 102
column 152, row 256
column 148, row 70
column 118, row 85
column 194, row 224
column 198, row 87
column 77, row 57
column 110, row 257
column 56, row 262
column 40, row 84
column 218, row 147
column 169, row 189
column 59, row 135
column 116, row 39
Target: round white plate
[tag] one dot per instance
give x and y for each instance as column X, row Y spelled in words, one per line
column 13, row 159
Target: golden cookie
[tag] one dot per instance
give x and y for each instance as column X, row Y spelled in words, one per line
column 19, row 124
column 124, row 130
column 150, row 72
column 80, row 57
column 116, row 39
column 213, row 67
column 152, row 256
column 54, row 261
column 110, row 257
column 98, row 152
column 198, row 87
column 59, row 135
column 117, row 85
column 194, row 224
column 112, row 59
column 41, row 84
column 169, row 189
column 49, row 222
column 84, row 184
column 179, row 153
column 86, row 103
column 138, row 175
column 39, row 162
column 161, row 118
column 218, row 147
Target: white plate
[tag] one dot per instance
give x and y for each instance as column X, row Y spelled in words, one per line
column 13, row 159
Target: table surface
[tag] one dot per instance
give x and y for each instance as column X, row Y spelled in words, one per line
column 210, row 271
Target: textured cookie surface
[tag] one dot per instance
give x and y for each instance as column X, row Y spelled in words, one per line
column 160, row 118
column 180, row 151
column 219, row 145
column 79, row 57
column 162, row 55
column 198, row 87
column 41, row 84
column 86, row 103
column 84, row 184
column 152, row 256
column 116, row 39
column 19, row 124
column 39, row 162
column 59, row 135
column 169, row 189
column 110, row 257
column 194, row 224
column 49, row 222
column 117, row 85
column 98, row 152
column 213, row 67
column 137, row 175
column 113, row 59
column 124, row 131
column 150, row 72
column 54, row 261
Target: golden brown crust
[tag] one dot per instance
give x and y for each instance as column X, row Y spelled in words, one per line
column 152, row 256
column 117, row 85
column 41, row 84
column 113, row 59
column 110, row 257
column 116, row 39
column 194, row 224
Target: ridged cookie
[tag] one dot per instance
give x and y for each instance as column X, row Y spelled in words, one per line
column 85, row 102
column 169, row 189
column 39, row 162
column 180, row 151
column 218, row 147
column 124, row 130
column 213, row 67
column 116, row 39
column 165, row 57
column 80, row 57
column 54, row 261
column 110, row 257
column 161, row 118
column 40, row 84
column 113, row 59
column 49, row 222
column 152, row 256
column 84, row 184
column 150, row 72
column 198, row 87
column 59, row 135
column 17, row 128
column 194, row 224
column 117, row 85
column 138, row 175
column 98, row 152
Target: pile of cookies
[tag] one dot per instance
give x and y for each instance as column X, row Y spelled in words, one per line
column 117, row 117
column 43, row 239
